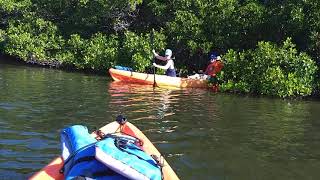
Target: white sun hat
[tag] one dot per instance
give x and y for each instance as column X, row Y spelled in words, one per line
column 168, row 52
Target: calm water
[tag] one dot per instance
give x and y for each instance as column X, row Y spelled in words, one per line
column 202, row 135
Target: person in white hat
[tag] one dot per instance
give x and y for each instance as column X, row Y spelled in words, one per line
column 169, row 67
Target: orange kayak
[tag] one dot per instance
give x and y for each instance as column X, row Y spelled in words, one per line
column 51, row 171
column 161, row 80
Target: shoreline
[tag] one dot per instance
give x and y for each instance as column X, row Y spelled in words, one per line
column 69, row 68
column 46, row 64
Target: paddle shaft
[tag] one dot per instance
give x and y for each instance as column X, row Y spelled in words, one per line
column 154, row 68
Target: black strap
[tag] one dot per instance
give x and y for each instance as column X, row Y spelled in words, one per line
column 92, row 175
column 111, row 135
column 83, row 159
column 121, row 119
column 73, row 155
column 108, row 172
column 123, row 146
column 95, row 175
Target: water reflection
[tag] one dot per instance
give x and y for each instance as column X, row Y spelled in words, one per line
column 203, row 135
column 142, row 100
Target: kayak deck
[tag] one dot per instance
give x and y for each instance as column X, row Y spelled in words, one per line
column 51, row 171
column 160, row 80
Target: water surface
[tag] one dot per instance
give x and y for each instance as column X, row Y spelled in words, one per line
column 203, row 135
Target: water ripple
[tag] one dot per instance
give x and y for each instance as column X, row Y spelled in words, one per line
column 203, row 135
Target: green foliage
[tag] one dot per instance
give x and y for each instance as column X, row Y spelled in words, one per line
column 237, row 87
column 98, row 53
column 272, row 70
column 314, row 46
column 32, row 36
column 10, row 6
column 184, row 28
column 72, row 51
column 2, row 36
column 101, row 52
column 138, row 49
column 102, row 33
column 313, row 28
column 87, row 17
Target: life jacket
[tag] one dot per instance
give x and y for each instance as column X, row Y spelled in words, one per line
column 214, row 68
column 218, row 65
column 114, row 157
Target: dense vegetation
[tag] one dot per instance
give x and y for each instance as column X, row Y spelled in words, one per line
column 268, row 47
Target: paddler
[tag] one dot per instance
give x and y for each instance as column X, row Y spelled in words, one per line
column 169, row 67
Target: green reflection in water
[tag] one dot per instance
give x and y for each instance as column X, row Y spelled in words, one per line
column 202, row 134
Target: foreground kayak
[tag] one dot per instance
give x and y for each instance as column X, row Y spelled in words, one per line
column 52, row 170
column 161, row 80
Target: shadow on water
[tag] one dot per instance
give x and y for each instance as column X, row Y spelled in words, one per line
column 203, row 135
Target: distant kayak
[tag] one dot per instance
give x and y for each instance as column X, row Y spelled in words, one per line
column 113, row 149
column 161, row 80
